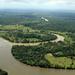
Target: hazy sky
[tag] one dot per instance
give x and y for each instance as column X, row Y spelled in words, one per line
column 40, row 4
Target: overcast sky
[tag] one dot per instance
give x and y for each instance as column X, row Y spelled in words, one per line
column 38, row 4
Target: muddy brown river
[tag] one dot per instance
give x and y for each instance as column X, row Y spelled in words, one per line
column 14, row 67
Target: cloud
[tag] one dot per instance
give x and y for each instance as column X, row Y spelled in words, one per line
column 39, row 1
column 47, row 4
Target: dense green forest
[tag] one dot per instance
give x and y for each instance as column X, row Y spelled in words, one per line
column 57, row 21
column 50, row 55
column 23, row 34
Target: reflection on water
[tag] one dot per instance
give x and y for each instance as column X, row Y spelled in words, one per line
column 13, row 67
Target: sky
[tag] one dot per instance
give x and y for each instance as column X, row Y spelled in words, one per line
column 38, row 4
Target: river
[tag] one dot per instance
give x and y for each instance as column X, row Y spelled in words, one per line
column 14, row 67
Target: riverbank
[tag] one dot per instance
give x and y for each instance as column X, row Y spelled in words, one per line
column 59, row 38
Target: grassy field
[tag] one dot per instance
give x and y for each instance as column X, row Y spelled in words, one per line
column 62, row 62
